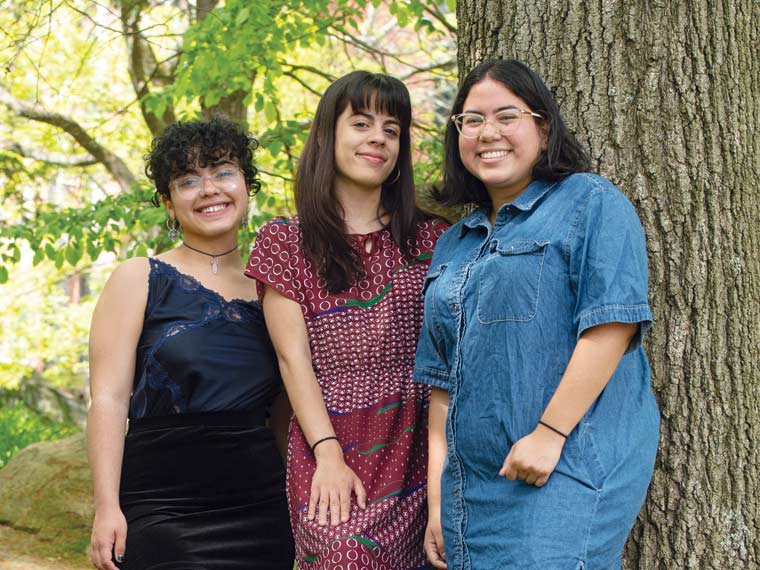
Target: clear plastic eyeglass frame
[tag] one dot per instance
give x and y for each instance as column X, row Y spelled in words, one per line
column 472, row 125
column 227, row 178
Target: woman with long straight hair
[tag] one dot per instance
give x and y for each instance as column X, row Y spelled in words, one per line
column 341, row 290
column 543, row 426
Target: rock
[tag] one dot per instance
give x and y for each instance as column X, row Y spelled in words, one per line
column 46, row 490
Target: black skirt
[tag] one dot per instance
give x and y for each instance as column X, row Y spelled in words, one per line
column 204, row 491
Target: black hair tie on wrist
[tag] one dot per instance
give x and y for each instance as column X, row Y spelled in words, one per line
column 555, row 430
column 316, row 443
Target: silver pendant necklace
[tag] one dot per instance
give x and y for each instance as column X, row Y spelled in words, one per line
column 214, row 256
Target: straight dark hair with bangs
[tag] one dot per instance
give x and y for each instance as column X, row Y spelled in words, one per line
column 323, row 231
column 563, row 156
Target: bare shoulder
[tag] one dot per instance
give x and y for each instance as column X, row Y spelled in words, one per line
column 128, row 284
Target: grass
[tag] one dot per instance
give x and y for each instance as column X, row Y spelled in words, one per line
column 20, row 426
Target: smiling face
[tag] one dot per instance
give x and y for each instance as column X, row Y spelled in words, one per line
column 214, row 209
column 503, row 163
column 366, row 148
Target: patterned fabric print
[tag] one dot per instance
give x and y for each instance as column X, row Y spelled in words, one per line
column 363, row 342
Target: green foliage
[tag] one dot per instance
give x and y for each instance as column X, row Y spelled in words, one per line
column 65, row 218
column 66, row 235
column 43, row 335
column 20, row 426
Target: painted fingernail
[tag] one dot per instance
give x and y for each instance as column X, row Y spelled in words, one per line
column 119, row 558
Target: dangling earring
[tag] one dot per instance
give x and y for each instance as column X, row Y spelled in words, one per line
column 173, row 226
column 244, row 221
column 392, row 182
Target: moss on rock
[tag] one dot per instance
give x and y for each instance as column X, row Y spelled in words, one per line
column 46, row 490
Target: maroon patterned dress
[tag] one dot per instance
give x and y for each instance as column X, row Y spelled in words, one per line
column 363, row 342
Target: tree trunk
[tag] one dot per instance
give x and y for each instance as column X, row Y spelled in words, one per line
column 232, row 106
column 666, row 97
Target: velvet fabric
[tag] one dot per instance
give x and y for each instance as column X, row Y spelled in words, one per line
column 204, row 491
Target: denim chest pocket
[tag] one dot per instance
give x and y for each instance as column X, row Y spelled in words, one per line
column 432, row 277
column 510, row 281
column 430, row 289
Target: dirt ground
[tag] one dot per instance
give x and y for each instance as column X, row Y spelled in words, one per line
column 21, row 551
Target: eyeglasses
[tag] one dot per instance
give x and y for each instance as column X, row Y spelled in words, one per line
column 226, row 178
column 471, row 125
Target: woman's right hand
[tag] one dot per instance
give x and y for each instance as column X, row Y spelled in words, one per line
column 332, row 485
column 109, row 537
column 433, row 542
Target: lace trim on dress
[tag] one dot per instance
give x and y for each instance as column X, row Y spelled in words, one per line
column 154, row 375
column 233, row 309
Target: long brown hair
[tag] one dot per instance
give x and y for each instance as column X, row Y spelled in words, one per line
column 322, row 228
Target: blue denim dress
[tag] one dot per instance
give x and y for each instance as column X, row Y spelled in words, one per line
column 504, row 308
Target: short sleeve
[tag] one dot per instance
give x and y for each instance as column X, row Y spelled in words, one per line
column 608, row 264
column 275, row 259
column 431, row 363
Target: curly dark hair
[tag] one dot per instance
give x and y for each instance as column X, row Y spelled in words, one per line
column 183, row 145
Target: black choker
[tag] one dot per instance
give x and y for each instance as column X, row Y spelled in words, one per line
column 214, row 256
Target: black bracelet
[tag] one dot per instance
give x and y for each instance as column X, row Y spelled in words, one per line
column 555, row 430
column 316, row 443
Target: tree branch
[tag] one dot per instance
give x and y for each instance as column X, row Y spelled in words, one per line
column 115, row 165
column 442, row 65
column 274, row 174
column 435, row 13
column 48, row 157
column 303, row 84
column 142, row 66
column 310, row 69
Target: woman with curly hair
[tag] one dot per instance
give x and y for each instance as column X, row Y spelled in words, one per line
column 178, row 346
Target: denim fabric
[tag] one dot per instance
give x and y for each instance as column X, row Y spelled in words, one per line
column 504, row 307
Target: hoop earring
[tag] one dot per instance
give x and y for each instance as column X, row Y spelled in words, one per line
column 392, row 182
column 173, row 226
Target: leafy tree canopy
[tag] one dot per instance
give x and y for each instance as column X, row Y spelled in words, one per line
column 85, row 84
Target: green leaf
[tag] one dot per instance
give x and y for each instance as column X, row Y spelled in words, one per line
column 3, row 274
column 270, row 112
column 39, row 255
column 423, row 23
column 50, row 251
column 242, row 17
column 73, row 252
column 274, row 148
column 212, row 97
column 93, row 250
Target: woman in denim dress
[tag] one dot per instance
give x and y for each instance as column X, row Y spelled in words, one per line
column 543, row 426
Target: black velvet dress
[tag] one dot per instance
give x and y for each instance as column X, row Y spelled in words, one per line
column 202, row 484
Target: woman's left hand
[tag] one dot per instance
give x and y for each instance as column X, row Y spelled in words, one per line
column 533, row 458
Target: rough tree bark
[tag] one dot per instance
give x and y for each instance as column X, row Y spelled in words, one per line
column 666, row 95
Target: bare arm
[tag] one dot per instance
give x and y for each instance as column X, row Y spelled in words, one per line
column 597, row 354
column 114, row 333
column 439, row 408
column 333, row 480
